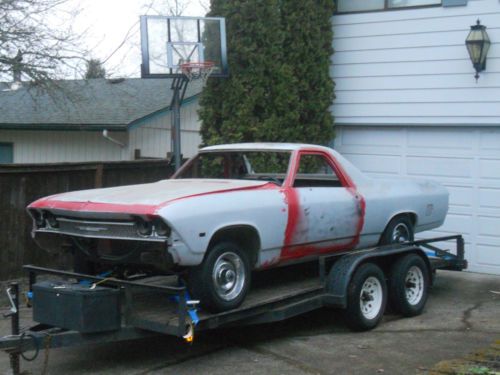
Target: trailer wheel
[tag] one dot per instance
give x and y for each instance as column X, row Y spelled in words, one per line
column 366, row 298
column 408, row 285
column 222, row 280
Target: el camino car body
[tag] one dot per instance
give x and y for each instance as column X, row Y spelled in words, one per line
column 274, row 203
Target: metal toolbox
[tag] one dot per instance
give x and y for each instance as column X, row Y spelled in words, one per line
column 76, row 306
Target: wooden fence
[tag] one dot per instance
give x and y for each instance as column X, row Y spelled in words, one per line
column 23, row 184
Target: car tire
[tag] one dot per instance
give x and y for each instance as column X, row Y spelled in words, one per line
column 366, row 298
column 400, row 229
column 222, row 280
column 409, row 285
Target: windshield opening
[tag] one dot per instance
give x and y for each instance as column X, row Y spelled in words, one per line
column 239, row 165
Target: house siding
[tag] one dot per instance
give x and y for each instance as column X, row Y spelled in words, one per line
column 153, row 138
column 408, row 105
column 412, row 67
column 62, row 146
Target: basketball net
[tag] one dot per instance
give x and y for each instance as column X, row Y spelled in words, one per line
column 198, row 70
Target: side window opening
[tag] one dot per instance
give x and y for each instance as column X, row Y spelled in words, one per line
column 315, row 171
column 239, row 165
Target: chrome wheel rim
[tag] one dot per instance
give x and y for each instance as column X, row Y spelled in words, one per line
column 414, row 285
column 228, row 276
column 400, row 233
column 371, row 297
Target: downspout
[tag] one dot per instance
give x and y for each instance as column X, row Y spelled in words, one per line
column 115, row 141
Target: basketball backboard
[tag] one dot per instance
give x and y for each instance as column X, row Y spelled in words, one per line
column 169, row 42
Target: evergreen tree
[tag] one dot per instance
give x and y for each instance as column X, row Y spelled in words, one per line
column 308, row 49
column 263, row 99
column 95, row 69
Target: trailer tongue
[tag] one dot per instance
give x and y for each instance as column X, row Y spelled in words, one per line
column 77, row 309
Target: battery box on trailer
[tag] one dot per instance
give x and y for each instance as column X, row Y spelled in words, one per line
column 76, row 307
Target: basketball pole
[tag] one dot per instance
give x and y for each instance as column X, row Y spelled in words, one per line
column 179, row 86
column 176, row 115
column 183, row 60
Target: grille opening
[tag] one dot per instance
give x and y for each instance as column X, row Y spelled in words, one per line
column 123, row 251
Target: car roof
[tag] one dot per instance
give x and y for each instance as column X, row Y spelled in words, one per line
column 263, row 146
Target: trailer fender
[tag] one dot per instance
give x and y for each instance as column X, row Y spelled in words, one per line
column 341, row 272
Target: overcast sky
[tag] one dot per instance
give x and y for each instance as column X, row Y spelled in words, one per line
column 108, row 23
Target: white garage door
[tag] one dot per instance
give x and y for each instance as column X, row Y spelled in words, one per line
column 466, row 160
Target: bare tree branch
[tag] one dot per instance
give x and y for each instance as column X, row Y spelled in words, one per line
column 37, row 41
column 131, row 39
column 205, row 5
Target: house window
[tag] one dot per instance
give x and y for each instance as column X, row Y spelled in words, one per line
column 6, row 153
column 347, row 6
column 411, row 3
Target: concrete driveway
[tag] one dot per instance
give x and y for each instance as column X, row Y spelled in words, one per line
column 462, row 315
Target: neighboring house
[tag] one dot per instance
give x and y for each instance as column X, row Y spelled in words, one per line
column 408, row 104
column 66, row 122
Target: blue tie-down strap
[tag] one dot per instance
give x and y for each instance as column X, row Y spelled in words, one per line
column 28, row 298
column 192, row 310
column 89, row 283
column 432, row 254
column 193, row 314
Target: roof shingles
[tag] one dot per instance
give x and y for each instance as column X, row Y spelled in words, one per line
column 85, row 104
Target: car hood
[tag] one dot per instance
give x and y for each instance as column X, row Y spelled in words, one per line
column 149, row 196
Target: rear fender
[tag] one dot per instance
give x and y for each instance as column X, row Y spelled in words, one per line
column 410, row 213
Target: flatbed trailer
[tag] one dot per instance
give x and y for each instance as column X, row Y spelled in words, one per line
column 162, row 306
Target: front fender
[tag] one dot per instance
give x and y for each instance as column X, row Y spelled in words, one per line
column 197, row 219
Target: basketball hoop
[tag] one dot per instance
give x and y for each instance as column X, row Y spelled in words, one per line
column 197, row 70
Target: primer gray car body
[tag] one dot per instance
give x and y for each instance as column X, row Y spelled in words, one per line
column 335, row 209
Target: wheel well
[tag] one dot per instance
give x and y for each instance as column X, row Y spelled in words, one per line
column 245, row 236
column 413, row 218
column 410, row 215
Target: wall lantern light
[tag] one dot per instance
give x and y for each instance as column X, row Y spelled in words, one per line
column 478, row 44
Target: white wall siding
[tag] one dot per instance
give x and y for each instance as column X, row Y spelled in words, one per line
column 412, row 67
column 153, row 137
column 62, row 146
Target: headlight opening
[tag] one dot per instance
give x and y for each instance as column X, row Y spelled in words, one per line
column 161, row 228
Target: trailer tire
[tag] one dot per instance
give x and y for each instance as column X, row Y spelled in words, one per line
column 409, row 285
column 366, row 298
column 222, row 280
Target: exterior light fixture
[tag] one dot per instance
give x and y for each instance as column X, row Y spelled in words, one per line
column 478, row 44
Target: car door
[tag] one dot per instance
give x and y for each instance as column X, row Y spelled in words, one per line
column 328, row 209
